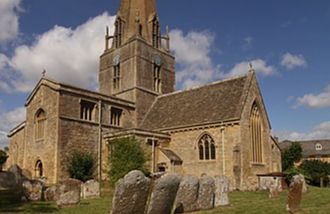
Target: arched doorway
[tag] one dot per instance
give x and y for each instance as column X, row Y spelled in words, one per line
column 38, row 169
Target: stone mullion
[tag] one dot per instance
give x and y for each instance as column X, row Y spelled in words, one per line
column 258, row 136
column 255, row 158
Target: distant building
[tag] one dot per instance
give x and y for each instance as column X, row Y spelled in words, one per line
column 217, row 129
column 312, row 149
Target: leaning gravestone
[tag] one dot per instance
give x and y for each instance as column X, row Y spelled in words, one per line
column 32, row 190
column 131, row 194
column 206, row 193
column 186, row 198
column 295, row 193
column 221, row 191
column 17, row 171
column 90, row 189
column 68, row 193
column 163, row 194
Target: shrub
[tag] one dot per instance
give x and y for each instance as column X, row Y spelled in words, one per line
column 291, row 155
column 81, row 165
column 3, row 157
column 126, row 155
column 315, row 170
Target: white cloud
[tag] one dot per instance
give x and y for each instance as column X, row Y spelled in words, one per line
column 9, row 26
column 291, row 61
column 68, row 55
column 321, row 131
column 321, row 100
column 9, row 120
column 260, row 66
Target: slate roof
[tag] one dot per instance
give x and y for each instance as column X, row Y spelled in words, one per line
column 220, row 101
column 172, row 156
column 309, row 148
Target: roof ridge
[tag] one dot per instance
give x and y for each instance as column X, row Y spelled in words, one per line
column 204, row 86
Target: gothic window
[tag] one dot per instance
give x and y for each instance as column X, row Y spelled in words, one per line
column 156, row 38
column 206, row 148
column 256, row 134
column 86, row 110
column 115, row 116
column 118, row 33
column 157, row 78
column 40, row 121
column 116, row 77
column 38, row 169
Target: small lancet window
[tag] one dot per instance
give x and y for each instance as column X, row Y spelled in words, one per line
column 206, row 148
column 157, row 78
column 40, row 121
column 156, row 37
column 256, row 134
column 116, row 77
column 115, row 116
column 117, row 40
column 86, row 110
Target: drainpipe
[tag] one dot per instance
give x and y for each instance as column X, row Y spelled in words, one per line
column 222, row 129
column 99, row 169
column 153, row 155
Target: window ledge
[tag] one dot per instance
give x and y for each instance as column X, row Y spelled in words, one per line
column 207, row 161
column 40, row 140
column 257, row 164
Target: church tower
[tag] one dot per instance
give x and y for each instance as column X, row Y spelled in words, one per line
column 137, row 64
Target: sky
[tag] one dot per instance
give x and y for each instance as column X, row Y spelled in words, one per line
column 287, row 42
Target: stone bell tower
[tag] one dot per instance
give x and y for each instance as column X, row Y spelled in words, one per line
column 137, row 64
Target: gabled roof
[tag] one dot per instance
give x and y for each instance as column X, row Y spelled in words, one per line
column 172, row 156
column 219, row 101
column 309, row 147
column 57, row 86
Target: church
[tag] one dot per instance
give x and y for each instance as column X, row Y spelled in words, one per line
column 220, row 128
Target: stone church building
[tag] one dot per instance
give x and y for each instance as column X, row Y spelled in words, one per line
column 218, row 129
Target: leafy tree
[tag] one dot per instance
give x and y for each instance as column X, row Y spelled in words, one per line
column 126, row 155
column 315, row 170
column 291, row 155
column 3, row 158
column 81, row 165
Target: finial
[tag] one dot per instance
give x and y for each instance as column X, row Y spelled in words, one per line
column 44, row 73
column 107, row 31
column 251, row 67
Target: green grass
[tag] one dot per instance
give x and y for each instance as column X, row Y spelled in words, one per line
column 316, row 201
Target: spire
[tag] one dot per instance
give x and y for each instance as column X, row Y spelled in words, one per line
column 137, row 18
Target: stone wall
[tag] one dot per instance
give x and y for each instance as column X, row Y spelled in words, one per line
column 16, row 149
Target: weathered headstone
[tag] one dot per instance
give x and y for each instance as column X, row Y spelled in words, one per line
column 221, row 191
column 50, row 193
column 295, row 193
column 206, row 193
column 164, row 194
column 187, row 195
column 68, row 193
column 17, row 171
column 90, row 189
column 131, row 194
column 274, row 189
column 32, row 190
column 7, row 180
column 304, row 187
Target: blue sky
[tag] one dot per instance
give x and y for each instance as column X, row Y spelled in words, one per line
column 288, row 43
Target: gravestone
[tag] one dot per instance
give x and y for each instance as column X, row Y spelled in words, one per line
column 68, row 193
column 187, row 195
column 7, row 180
column 17, row 171
column 221, row 191
column 90, row 189
column 131, row 194
column 206, row 193
column 295, row 193
column 164, row 194
column 32, row 190
column 274, row 189
column 50, row 193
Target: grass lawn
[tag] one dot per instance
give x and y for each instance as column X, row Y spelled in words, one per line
column 316, row 200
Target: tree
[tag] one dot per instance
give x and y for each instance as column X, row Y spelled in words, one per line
column 316, row 170
column 291, row 155
column 126, row 155
column 81, row 165
column 3, row 158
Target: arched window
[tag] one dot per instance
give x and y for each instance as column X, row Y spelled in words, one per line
column 156, row 37
column 40, row 120
column 117, row 40
column 38, row 169
column 206, row 148
column 256, row 134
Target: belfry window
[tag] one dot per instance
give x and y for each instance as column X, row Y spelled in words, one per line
column 40, row 121
column 116, row 77
column 157, row 78
column 256, row 134
column 115, row 116
column 86, row 110
column 118, row 33
column 156, row 38
column 206, row 148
